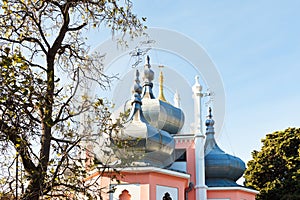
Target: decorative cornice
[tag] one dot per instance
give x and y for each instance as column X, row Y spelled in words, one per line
column 184, row 138
column 234, row 188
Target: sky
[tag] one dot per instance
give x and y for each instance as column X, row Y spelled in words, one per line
column 255, row 45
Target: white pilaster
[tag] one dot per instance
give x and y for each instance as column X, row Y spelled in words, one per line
column 200, row 186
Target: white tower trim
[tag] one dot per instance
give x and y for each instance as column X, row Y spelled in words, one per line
column 199, row 139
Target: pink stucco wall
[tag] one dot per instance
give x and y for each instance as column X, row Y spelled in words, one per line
column 153, row 179
column 149, row 180
column 190, row 164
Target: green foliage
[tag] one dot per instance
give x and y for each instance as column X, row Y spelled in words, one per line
column 275, row 170
column 44, row 66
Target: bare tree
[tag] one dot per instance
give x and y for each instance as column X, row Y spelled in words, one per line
column 44, row 60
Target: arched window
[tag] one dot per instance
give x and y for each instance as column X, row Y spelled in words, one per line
column 167, row 196
column 125, row 195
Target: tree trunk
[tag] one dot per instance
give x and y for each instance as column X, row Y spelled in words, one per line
column 37, row 183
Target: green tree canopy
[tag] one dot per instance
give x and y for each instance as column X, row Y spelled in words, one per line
column 44, row 63
column 275, row 170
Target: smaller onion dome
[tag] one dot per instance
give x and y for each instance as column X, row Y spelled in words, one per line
column 158, row 112
column 221, row 169
column 140, row 143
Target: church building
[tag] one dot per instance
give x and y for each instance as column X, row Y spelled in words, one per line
column 161, row 163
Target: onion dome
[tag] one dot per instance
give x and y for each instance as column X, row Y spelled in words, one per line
column 221, row 169
column 141, row 143
column 159, row 113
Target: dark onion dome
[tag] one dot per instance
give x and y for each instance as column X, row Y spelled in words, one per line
column 140, row 143
column 158, row 112
column 221, row 169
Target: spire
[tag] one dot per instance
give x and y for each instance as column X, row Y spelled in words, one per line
column 197, row 95
column 209, row 113
column 161, row 95
column 137, row 88
column 209, row 122
column 176, row 99
column 148, row 72
column 136, row 99
column 210, row 142
column 197, row 87
column 148, row 78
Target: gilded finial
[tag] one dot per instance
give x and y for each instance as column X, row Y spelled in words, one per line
column 161, row 95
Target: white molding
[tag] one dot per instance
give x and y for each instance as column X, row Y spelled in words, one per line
column 234, row 188
column 185, row 136
column 218, row 199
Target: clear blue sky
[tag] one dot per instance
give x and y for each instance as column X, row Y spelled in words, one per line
column 256, row 47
